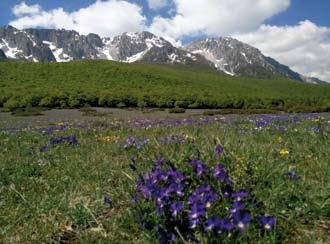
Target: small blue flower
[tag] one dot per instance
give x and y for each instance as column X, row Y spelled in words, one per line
column 226, row 224
column 220, row 173
column 212, row 223
column 240, row 195
column 241, row 220
column 176, row 208
column 196, row 212
column 292, row 175
column 237, row 206
column 199, row 167
column 267, row 222
column 107, row 202
column 43, row 149
column 219, row 149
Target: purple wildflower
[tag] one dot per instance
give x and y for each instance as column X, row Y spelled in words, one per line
column 72, row 140
column 219, row 149
column 172, row 139
column 226, row 224
column 107, row 201
column 176, row 208
column 267, row 222
column 212, row 223
column 238, row 196
column 220, row 173
column 134, row 198
column 131, row 141
column 193, row 223
column 160, row 162
column 219, row 225
column 196, row 212
column 146, row 192
column 237, row 206
column 43, row 149
column 292, row 175
column 261, row 123
column 199, row 167
column 241, row 220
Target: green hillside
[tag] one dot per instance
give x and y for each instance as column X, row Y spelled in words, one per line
column 112, row 84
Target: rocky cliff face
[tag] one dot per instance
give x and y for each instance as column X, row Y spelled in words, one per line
column 2, row 55
column 19, row 44
column 225, row 54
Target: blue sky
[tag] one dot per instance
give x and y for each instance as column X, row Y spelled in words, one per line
column 295, row 32
column 317, row 11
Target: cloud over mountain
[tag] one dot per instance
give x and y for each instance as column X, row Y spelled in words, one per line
column 216, row 17
column 304, row 47
column 107, row 18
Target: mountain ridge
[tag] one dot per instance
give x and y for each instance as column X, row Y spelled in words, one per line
column 224, row 54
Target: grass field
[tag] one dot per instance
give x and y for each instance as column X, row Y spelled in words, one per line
column 74, row 182
column 112, row 84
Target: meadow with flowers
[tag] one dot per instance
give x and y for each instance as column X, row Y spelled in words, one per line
column 198, row 179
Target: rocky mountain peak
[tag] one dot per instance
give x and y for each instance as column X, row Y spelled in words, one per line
column 240, row 59
column 229, row 55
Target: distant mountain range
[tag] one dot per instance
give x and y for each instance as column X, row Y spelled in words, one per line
column 227, row 55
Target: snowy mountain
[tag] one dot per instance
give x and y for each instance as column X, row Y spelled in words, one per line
column 239, row 59
column 41, row 45
column 224, row 54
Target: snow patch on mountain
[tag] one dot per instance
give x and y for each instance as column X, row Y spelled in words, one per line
column 10, row 52
column 58, row 53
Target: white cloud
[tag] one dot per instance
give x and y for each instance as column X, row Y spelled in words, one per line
column 157, row 4
column 216, row 17
column 305, row 47
column 106, row 18
column 24, row 9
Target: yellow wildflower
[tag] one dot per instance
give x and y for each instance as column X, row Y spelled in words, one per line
column 108, row 138
column 284, row 152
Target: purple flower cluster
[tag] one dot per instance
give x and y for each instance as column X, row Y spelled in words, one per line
column 292, row 175
column 171, row 139
column 221, row 173
column 43, row 149
column 261, row 123
column 72, row 140
column 51, row 130
column 197, row 199
column 198, row 166
column 132, row 141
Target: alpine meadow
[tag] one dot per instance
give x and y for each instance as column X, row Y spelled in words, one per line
column 165, row 121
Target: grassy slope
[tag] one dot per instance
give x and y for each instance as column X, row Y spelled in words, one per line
column 111, row 80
